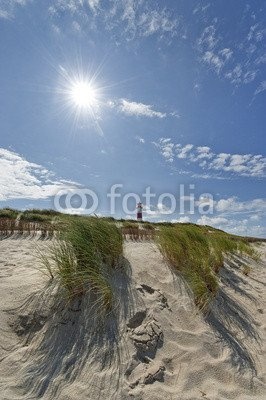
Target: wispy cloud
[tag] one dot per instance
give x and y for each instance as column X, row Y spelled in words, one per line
column 139, row 109
column 167, row 149
column 140, row 139
column 261, row 88
column 7, row 7
column 94, row 5
column 135, row 18
column 181, row 220
column 253, row 165
column 233, row 205
column 23, row 179
column 132, row 108
column 155, row 21
column 238, row 217
column 238, row 75
column 211, row 50
column 235, row 60
column 255, row 33
column 201, row 8
column 243, row 226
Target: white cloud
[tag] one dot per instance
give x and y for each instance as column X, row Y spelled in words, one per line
column 227, row 53
column 261, row 88
column 261, row 59
column 202, row 153
column 22, row 179
column 213, row 60
column 256, row 33
column 238, row 217
column 4, row 14
column 139, row 109
column 253, row 165
column 236, row 226
column 197, row 87
column 205, row 220
column 254, row 217
column 175, row 114
column 94, row 5
column 76, row 26
column 181, row 220
column 233, row 205
column 238, row 75
column 140, row 139
column 7, row 7
column 201, row 9
column 208, row 38
column 166, row 149
column 182, row 152
column 211, row 53
column 224, row 61
column 134, row 18
column 154, row 21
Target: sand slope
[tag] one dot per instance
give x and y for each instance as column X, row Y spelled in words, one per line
column 155, row 344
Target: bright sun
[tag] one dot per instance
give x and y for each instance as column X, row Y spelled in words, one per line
column 83, row 94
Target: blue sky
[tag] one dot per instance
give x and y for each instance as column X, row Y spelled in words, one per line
column 178, row 94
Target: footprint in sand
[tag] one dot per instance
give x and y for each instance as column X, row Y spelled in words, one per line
column 154, row 294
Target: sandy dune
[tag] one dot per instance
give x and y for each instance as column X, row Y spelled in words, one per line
column 155, row 344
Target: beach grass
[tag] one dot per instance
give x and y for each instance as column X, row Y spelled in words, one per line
column 8, row 213
column 82, row 257
column 86, row 248
column 198, row 254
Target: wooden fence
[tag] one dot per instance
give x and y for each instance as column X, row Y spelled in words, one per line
column 10, row 227
column 138, row 234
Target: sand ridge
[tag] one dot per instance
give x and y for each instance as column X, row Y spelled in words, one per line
column 154, row 345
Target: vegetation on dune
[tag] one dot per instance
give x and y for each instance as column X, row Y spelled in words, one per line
column 198, row 254
column 87, row 248
column 8, row 213
column 130, row 224
column 34, row 217
column 83, row 256
column 149, row 226
column 164, row 223
column 47, row 212
column 138, row 230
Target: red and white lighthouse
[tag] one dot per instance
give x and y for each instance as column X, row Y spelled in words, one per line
column 139, row 211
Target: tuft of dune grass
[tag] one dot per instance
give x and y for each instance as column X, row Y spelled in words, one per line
column 30, row 216
column 8, row 213
column 83, row 256
column 198, row 254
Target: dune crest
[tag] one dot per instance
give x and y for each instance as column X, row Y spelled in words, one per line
column 155, row 344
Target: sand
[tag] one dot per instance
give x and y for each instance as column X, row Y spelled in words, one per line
column 154, row 345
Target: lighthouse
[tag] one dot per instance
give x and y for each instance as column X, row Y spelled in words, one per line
column 139, row 211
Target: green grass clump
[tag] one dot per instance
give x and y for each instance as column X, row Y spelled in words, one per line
column 148, row 226
column 8, row 213
column 198, row 254
column 47, row 212
column 83, row 257
column 164, row 224
column 30, row 216
column 130, row 225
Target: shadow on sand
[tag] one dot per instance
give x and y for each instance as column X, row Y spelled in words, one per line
column 231, row 319
column 76, row 335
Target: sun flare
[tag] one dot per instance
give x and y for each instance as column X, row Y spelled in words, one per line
column 83, row 95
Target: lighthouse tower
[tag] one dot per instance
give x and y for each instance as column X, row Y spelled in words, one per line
column 139, row 211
